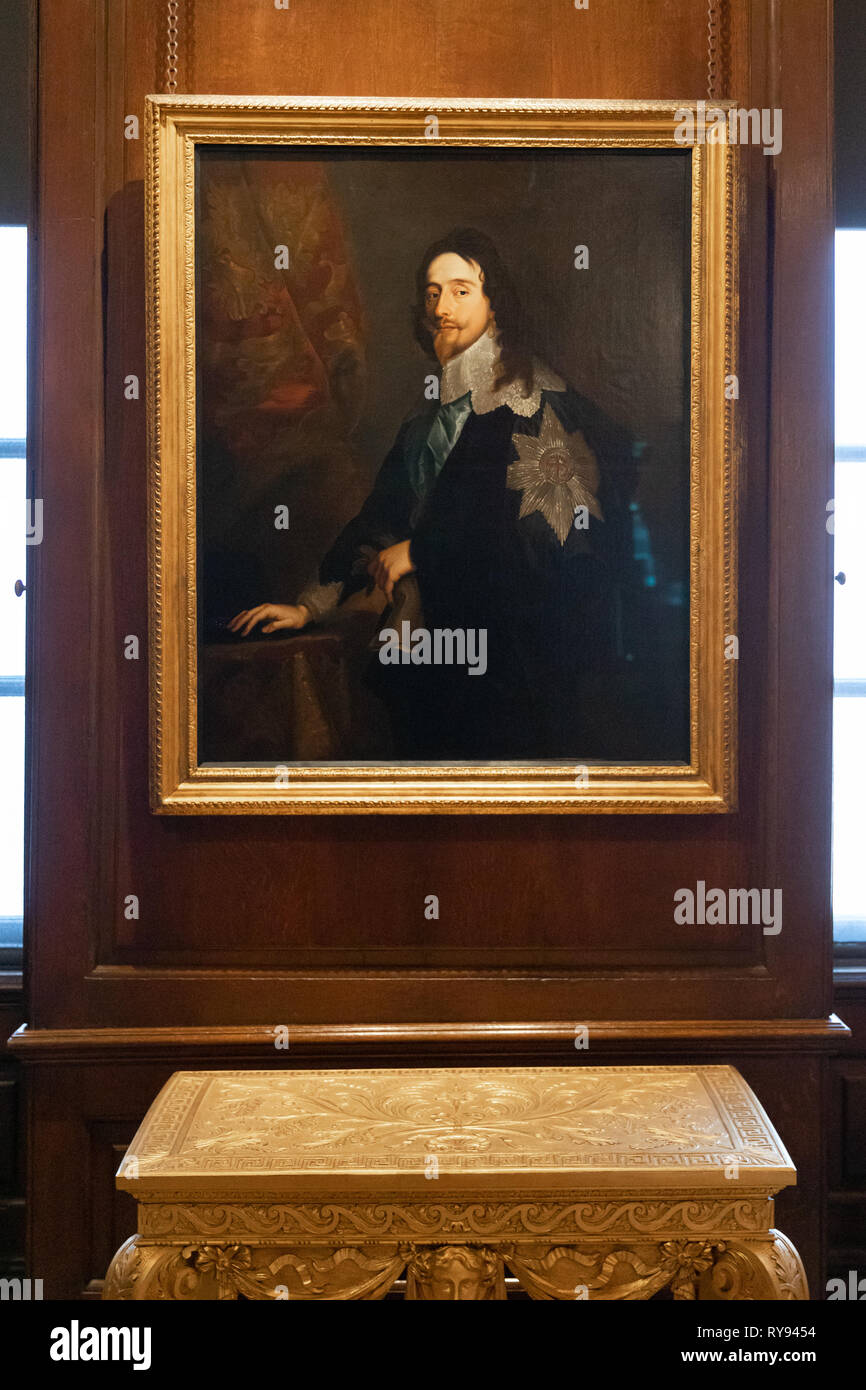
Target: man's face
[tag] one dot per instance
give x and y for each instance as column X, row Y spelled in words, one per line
column 458, row 310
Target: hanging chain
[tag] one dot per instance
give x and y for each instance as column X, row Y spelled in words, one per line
column 171, row 45
column 718, row 49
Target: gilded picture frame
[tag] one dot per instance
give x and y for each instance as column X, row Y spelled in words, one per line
column 177, row 129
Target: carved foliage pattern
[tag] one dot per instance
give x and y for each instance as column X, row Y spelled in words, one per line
column 396, row 1219
column 769, row 1269
column 611, row 1272
column 471, row 1118
column 739, row 1270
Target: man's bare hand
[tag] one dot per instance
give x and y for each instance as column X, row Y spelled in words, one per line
column 389, row 566
column 275, row 615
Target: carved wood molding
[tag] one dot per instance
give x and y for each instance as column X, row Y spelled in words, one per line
column 553, row 1038
column 462, row 1217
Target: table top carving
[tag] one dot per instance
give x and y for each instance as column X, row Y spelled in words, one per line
column 527, row 1128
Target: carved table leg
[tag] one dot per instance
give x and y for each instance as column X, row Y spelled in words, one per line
column 759, row 1270
column 141, row 1272
column 766, row 1268
column 207, row 1271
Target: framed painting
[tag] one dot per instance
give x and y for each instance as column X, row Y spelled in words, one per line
column 443, row 456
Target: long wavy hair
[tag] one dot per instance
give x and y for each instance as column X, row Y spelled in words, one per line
column 472, row 245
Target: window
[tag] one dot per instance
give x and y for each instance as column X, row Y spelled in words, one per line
column 849, row 637
column 13, row 552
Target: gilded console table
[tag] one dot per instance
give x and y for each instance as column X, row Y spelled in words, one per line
column 582, row 1182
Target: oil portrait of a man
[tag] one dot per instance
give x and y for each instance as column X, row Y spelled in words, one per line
column 507, row 580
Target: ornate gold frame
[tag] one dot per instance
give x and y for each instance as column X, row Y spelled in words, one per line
column 175, row 125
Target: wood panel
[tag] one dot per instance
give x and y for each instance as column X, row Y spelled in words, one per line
column 15, row 116
column 247, row 921
column 578, row 895
column 846, row 1131
column 12, row 1147
column 441, row 49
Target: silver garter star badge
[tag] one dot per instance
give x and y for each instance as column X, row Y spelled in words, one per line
column 557, row 473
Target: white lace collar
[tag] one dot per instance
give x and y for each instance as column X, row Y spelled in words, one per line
column 474, row 371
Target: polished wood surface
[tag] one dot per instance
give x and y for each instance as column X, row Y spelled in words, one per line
column 322, row 1040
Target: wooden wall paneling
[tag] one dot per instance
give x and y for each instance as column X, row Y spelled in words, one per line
column 112, row 1214
column 66, row 392
column 801, row 477
column 846, row 1131
column 847, row 1238
column 199, row 880
column 15, row 122
column 847, row 1118
column 440, row 49
column 244, row 920
column 8, row 1130
column 122, row 493
column 12, row 1121
column 852, row 1080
